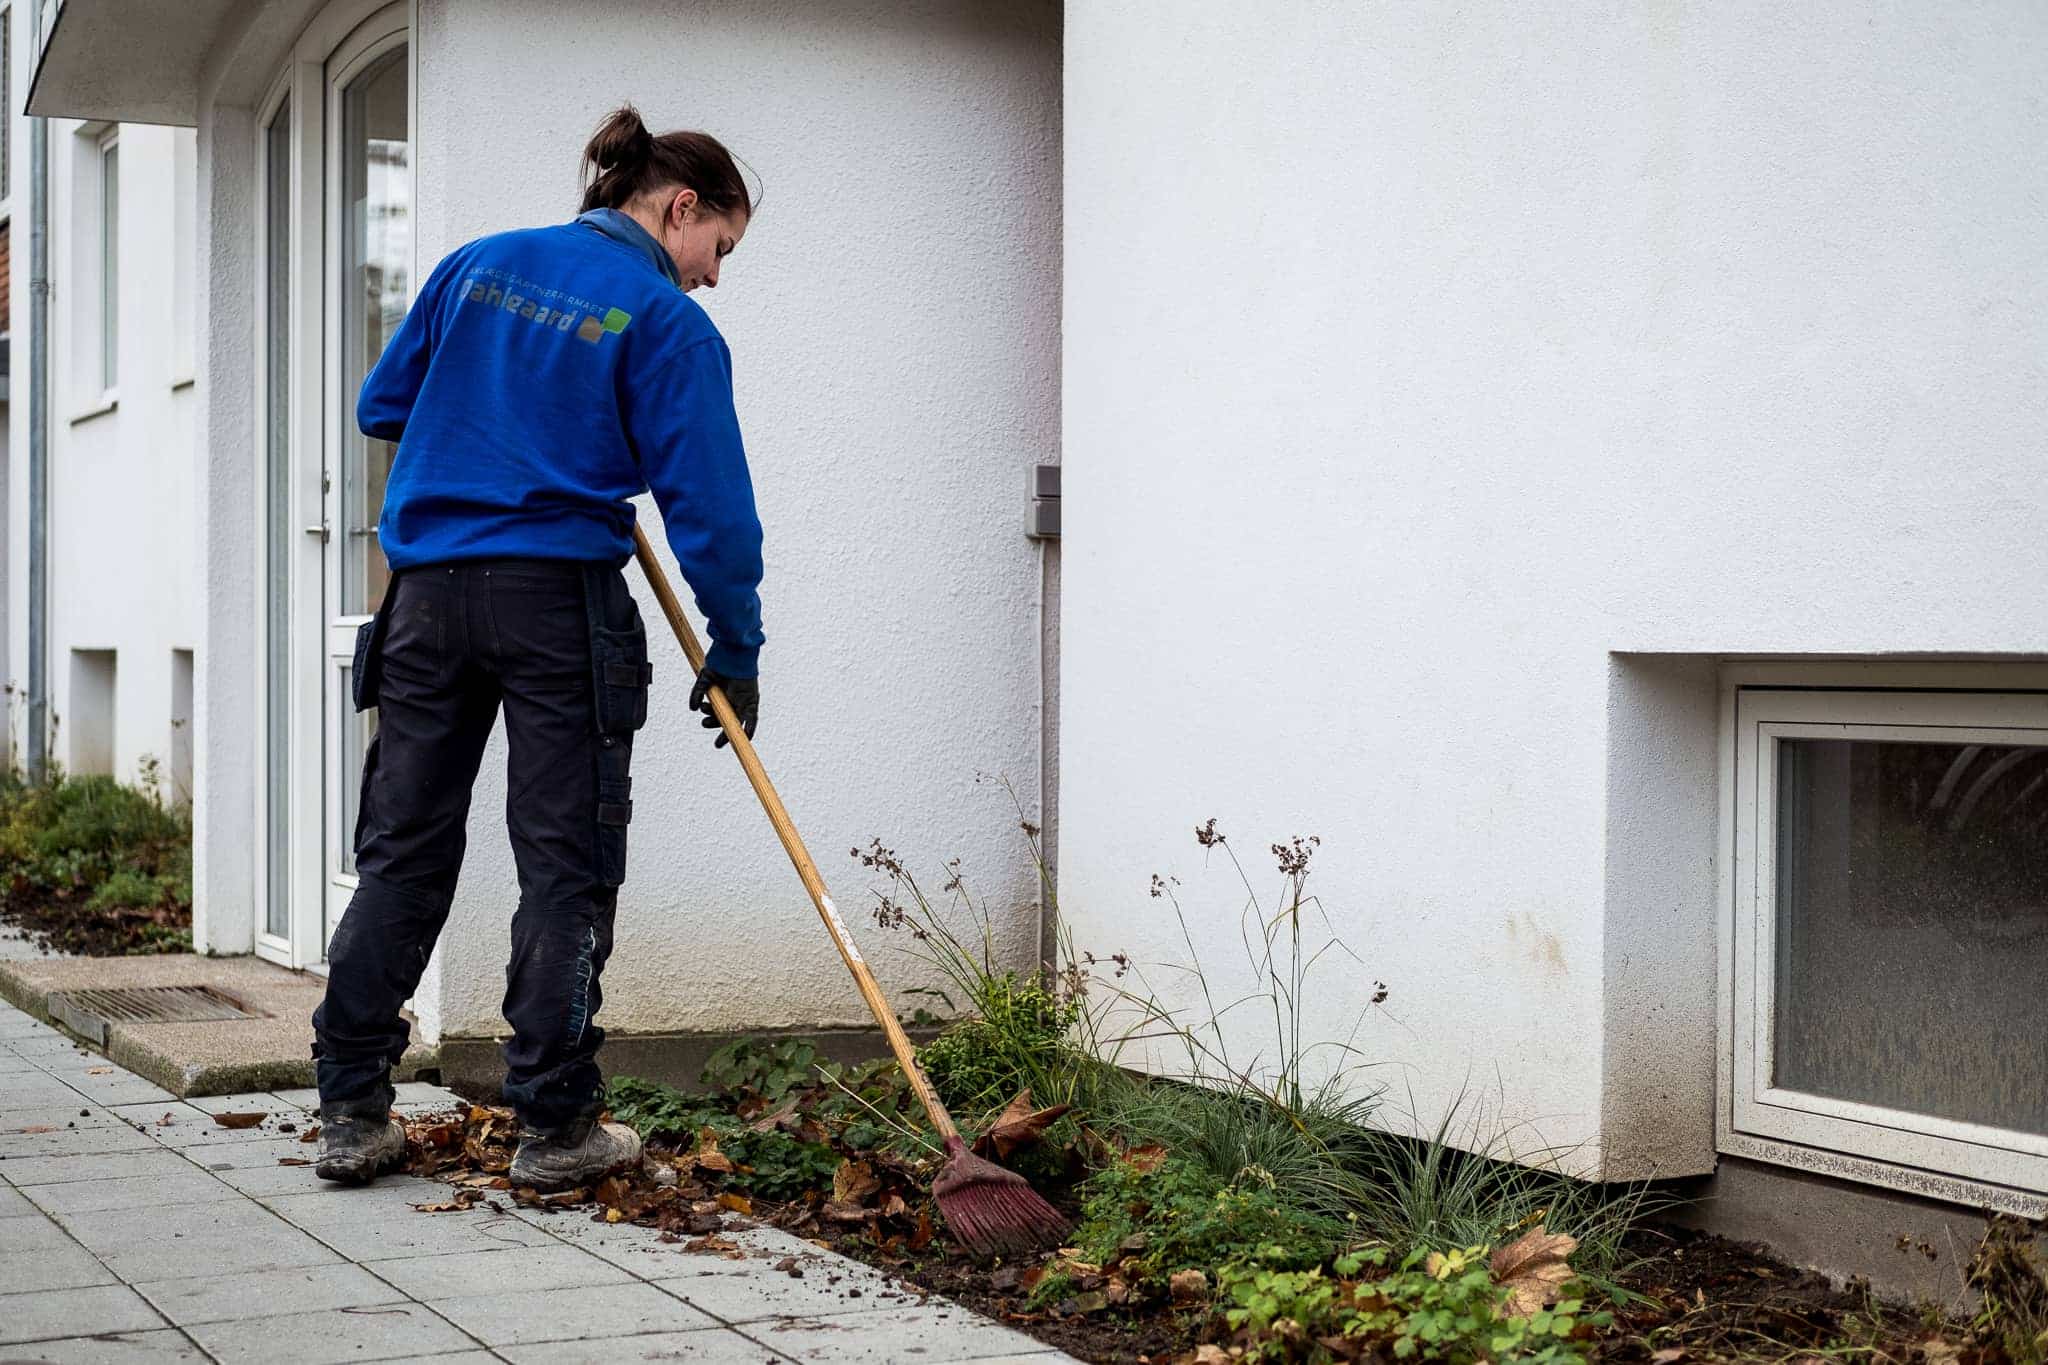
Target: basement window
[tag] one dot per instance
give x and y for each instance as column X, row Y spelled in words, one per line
column 1890, row 938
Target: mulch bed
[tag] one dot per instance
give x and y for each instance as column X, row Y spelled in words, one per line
column 61, row 922
column 1694, row 1297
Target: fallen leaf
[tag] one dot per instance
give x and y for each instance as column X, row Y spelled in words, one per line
column 707, row 1154
column 771, row 1121
column 1018, row 1127
column 1669, row 1356
column 1086, row 1303
column 293, row 1161
column 717, row 1246
column 1147, row 1158
column 853, row 1182
column 738, row 1203
column 1533, row 1269
column 248, row 1120
column 464, row 1199
column 166, row 1121
column 1211, row 1355
column 1189, row 1286
column 99, row 1070
column 1027, row 1280
column 311, row 1134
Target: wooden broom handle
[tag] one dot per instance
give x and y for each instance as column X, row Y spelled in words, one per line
column 792, row 844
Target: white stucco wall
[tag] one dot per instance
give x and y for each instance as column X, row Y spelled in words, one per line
column 122, row 534
column 1416, row 362
column 893, row 316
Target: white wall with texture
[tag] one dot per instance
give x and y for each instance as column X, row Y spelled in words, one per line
column 1418, row 360
column 894, row 321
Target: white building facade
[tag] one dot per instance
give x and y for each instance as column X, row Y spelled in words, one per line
column 1573, row 461
column 121, row 535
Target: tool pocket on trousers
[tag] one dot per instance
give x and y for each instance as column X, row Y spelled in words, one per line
column 362, row 673
column 621, row 676
column 614, row 808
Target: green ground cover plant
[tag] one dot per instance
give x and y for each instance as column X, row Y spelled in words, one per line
column 91, row 865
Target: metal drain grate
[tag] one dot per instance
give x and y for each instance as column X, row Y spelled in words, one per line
column 88, row 1013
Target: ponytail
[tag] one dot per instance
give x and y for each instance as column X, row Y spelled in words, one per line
column 623, row 161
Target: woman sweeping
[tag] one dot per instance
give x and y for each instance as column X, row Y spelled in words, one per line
column 542, row 379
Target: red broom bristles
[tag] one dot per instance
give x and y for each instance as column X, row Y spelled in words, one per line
column 993, row 1211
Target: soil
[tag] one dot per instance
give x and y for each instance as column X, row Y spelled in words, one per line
column 61, row 923
column 1686, row 1296
column 1696, row 1298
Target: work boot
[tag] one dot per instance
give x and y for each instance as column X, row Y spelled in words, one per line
column 357, row 1148
column 584, row 1152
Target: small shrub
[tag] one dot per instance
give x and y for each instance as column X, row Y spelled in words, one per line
column 1432, row 1307
column 1178, row 1216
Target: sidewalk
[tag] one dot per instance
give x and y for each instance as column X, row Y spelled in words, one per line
column 133, row 1228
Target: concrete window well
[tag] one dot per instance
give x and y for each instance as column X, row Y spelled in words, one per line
column 1889, row 937
column 1828, row 929
column 93, row 676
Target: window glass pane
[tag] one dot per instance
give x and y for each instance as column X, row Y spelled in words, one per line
column 376, row 267
column 277, row 521
column 1912, row 927
column 110, row 262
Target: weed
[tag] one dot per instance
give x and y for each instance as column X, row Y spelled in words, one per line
column 1432, row 1307
column 2011, row 1281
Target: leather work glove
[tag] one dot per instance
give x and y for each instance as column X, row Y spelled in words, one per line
column 743, row 693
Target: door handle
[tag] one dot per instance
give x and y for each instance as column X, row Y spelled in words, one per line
column 320, row 531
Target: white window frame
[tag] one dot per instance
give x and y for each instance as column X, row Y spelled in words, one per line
column 107, row 260
column 1761, row 705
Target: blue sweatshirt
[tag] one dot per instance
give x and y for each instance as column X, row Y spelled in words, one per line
column 544, row 377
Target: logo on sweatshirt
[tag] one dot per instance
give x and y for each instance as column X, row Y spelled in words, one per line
column 543, row 307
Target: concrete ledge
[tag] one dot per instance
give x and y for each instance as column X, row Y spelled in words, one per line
column 1907, row 1247
column 475, row 1067
column 272, row 1051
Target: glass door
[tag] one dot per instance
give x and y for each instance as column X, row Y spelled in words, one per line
column 369, row 192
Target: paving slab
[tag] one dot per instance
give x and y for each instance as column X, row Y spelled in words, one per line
column 176, row 1239
column 363, row 1230
column 34, row 1089
column 49, row 1313
column 13, row 1204
column 751, row 1292
column 51, row 1170
column 126, row 1348
column 266, row 1293
column 930, row 1334
column 467, row 1274
column 50, row 1267
column 332, row 1334
column 525, row 1317
column 72, row 1113
column 188, row 1186
column 711, row 1347
column 73, row 1142
column 229, row 1156
column 180, row 1124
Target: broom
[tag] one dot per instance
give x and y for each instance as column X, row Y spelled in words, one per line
column 990, row 1210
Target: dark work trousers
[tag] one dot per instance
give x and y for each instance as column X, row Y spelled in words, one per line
column 562, row 646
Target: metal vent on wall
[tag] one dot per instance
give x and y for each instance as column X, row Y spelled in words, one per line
column 89, row 1013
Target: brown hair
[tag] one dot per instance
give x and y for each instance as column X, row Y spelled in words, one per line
column 624, row 160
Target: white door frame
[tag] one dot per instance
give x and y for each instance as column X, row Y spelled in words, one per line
column 338, row 41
